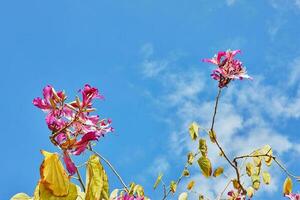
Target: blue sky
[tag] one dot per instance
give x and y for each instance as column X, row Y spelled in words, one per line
column 144, row 56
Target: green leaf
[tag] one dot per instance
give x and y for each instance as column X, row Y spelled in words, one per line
column 96, row 180
column 205, row 166
column 193, row 130
column 158, row 180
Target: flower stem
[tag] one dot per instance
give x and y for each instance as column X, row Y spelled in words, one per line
column 111, row 167
column 234, row 163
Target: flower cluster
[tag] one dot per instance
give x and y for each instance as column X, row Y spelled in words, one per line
column 72, row 125
column 128, row 197
column 228, row 68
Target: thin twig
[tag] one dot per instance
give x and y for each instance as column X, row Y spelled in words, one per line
column 80, row 180
column 111, row 167
column 226, row 186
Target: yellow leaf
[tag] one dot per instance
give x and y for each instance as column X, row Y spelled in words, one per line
column 257, row 170
column 158, row 180
column 45, row 194
column 190, row 158
column 190, row 185
column 236, row 184
column 250, row 192
column 257, row 160
column 249, row 169
column 183, row 196
column 138, row 191
column 255, row 181
column 203, row 147
column 186, row 172
column 287, row 186
column 194, row 129
column 201, row 197
column 212, row 136
column 173, row 186
column 21, row 196
column 266, row 177
column 114, row 194
column 267, row 150
column 96, row 180
column 205, row 166
column 53, row 174
column 218, row 171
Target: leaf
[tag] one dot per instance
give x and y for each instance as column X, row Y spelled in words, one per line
column 190, row 185
column 205, row 166
column 190, row 158
column 138, row 190
column 249, row 169
column 158, row 180
column 236, row 184
column 257, row 160
column 114, row 194
column 186, row 172
column 193, row 130
column 287, row 186
column 53, row 174
column 255, row 181
column 183, row 196
column 43, row 193
column 21, row 196
column 268, row 151
column 250, row 192
column 201, row 197
column 212, row 136
column 218, row 171
column 173, row 186
column 96, row 180
column 203, row 147
column 266, row 177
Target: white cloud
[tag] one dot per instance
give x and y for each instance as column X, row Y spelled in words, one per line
column 241, row 124
column 230, row 2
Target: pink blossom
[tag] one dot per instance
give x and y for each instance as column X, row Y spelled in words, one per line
column 72, row 125
column 128, row 197
column 228, row 68
column 69, row 164
column 81, row 145
column 293, row 196
column 88, row 94
column 235, row 196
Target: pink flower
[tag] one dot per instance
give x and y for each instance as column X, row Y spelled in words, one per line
column 235, row 196
column 81, row 145
column 127, row 197
column 72, row 125
column 69, row 164
column 88, row 94
column 228, row 68
column 293, row 196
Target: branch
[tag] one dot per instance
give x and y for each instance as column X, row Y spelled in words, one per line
column 233, row 164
